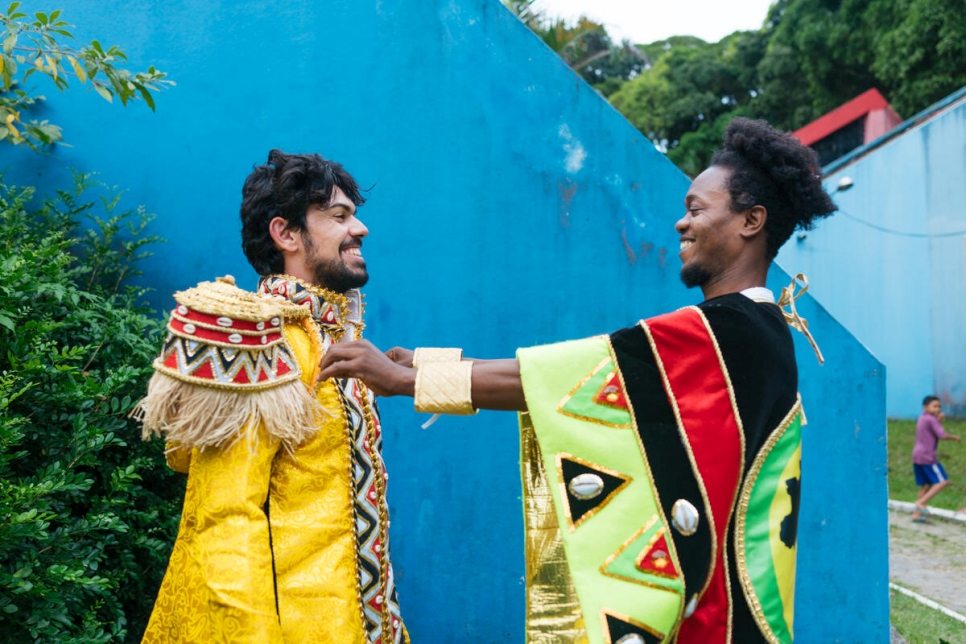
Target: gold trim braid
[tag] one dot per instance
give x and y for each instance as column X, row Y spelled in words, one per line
column 445, row 388
column 222, row 297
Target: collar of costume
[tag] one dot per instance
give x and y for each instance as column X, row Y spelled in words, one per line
column 338, row 313
column 759, row 294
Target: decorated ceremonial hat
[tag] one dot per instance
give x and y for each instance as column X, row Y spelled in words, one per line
column 223, row 337
column 226, row 368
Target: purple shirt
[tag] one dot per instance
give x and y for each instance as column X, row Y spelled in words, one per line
column 928, row 432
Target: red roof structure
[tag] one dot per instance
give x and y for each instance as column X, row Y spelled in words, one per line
column 858, row 122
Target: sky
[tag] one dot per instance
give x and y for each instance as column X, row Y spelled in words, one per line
column 644, row 21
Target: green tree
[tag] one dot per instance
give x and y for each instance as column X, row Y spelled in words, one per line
column 809, row 57
column 578, row 44
column 643, row 102
column 34, row 47
column 607, row 74
column 830, row 44
column 822, row 53
column 688, row 93
column 920, row 50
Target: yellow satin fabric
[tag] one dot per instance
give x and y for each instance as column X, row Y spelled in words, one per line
column 312, row 533
column 178, row 458
column 219, row 586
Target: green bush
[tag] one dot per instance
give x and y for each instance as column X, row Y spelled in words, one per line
column 87, row 510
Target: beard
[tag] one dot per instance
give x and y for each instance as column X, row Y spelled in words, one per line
column 334, row 274
column 694, row 275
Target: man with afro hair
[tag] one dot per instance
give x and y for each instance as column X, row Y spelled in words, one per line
column 661, row 463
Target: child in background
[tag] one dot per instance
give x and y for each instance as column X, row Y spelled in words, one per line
column 930, row 474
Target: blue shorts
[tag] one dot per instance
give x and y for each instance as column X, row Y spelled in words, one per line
column 929, row 474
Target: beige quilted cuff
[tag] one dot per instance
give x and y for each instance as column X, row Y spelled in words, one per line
column 445, row 388
column 426, row 355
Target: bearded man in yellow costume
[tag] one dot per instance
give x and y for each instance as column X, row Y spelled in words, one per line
column 284, row 531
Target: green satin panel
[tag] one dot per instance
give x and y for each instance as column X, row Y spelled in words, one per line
column 766, row 564
column 558, row 381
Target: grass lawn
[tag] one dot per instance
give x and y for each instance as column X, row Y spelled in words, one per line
column 902, row 483
column 920, row 624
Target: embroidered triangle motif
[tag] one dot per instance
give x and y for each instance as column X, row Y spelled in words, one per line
column 621, row 628
column 599, row 398
column 646, row 559
column 656, row 557
column 586, row 487
column 611, row 393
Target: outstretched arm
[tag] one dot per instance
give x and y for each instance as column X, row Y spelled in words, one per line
column 496, row 384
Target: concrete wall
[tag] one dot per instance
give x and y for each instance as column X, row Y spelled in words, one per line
column 511, row 205
column 891, row 266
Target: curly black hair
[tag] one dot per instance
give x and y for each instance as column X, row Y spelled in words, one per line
column 773, row 169
column 285, row 187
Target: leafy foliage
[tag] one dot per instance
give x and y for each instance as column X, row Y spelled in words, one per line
column 32, row 47
column 921, row 54
column 87, row 510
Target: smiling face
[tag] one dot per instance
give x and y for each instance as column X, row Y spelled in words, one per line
column 933, row 407
column 710, row 231
column 331, row 246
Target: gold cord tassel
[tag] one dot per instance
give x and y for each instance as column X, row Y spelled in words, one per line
column 797, row 322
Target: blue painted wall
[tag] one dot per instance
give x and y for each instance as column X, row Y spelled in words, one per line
column 511, row 206
column 903, row 295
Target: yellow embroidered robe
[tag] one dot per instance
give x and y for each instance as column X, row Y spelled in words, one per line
column 267, row 549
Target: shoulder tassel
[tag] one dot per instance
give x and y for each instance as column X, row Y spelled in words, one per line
column 226, row 366
column 194, row 416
